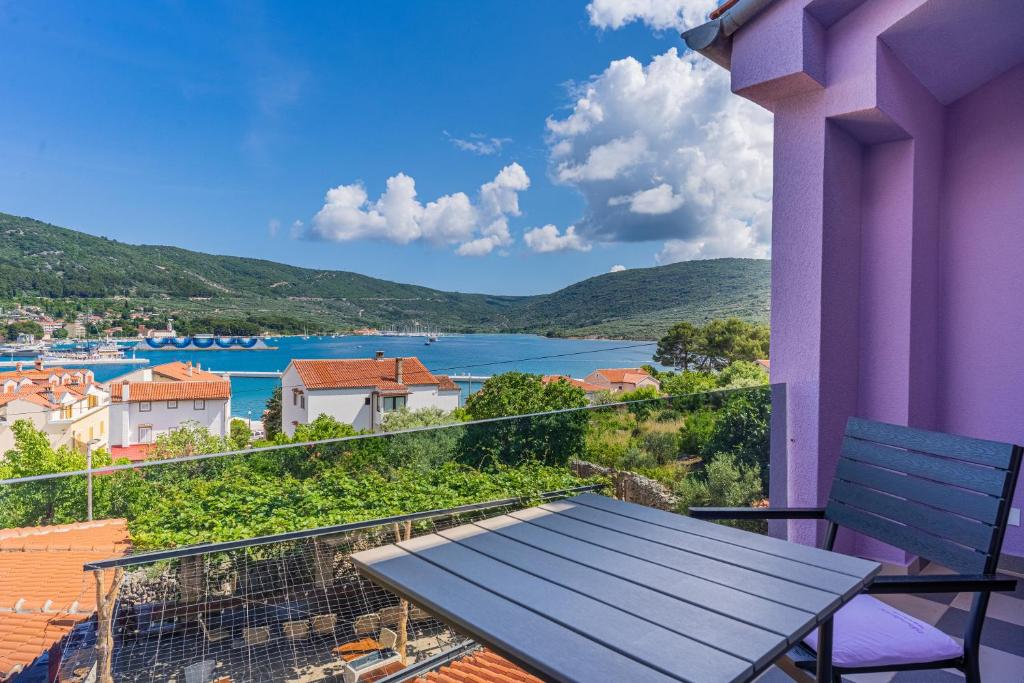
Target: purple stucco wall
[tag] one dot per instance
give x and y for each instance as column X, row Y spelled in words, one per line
column 898, row 227
column 982, row 261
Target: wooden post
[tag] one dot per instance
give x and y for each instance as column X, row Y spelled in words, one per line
column 105, row 624
column 403, row 617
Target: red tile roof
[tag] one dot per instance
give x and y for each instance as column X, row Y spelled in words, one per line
column 359, row 373
column 446, row 383
column 626, row 375
column 185, row 372
column 482, row 666
column 584, row 385
column 44, row 590
column 171, row 391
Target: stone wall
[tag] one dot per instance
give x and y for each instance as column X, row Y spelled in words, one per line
column 630, row 486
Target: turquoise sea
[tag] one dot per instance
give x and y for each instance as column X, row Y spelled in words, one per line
column 475, row 354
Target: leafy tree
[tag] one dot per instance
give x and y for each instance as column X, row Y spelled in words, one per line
column 322, row 428
column 743, row 429
column 552, row 439
column 724, row 482
column 59, row 333
column 24, row 327
column 239, row 433
column 689, row 382
column 646, row 402
column 190, row 438
column 681, row 346
column 697, row 430
column 272, row 414
column 726, row 341
column 740, row 374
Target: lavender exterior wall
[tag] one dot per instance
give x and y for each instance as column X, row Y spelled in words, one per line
column 898, row 228
column 982, row 261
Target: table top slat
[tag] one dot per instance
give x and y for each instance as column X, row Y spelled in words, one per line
column 788, row 570
column 755, row 645
column 528, row 638
column 845, row 564
column 663, row 574
column 783, row 596
column 656, row 646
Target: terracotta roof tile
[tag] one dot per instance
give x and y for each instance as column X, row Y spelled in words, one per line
column 582, row 384
column 358, row 373
column 482, row 666
column 171, row 391
column 185, row 372
column 44, row 590
column 446, row 383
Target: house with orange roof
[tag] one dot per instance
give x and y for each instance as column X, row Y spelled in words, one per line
column 622, row 379
column 591, row 390
column 66, row 404
column 44, row 591
column 361, row 391
column 481, row 666
column 140, row 411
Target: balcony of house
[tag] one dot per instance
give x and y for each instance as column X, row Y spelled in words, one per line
column 258, row 564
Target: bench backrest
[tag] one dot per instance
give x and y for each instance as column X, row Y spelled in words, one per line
column 945, row 498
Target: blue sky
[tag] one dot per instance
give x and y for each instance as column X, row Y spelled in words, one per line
column 204, row 124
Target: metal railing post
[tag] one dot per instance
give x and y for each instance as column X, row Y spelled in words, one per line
column 88, row 470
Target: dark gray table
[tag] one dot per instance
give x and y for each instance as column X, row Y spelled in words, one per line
column 593, row 589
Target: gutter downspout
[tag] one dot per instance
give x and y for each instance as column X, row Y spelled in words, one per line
column 713, row 39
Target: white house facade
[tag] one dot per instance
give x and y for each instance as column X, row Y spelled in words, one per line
column 360, row 391
column 142, row 411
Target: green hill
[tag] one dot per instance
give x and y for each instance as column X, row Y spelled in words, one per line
column 39, row 259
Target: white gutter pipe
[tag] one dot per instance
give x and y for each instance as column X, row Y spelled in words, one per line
column 714, row 38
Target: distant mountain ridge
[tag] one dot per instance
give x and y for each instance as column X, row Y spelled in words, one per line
column 45, row 260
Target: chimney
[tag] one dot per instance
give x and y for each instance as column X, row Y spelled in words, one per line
column 398, row 370
column 39, row 364
column 188, row 369
column 378, row 355
column 18, row 366
column 124, row 390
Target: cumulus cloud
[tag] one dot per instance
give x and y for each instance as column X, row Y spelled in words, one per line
column 548, row 238
column 664, row 151
column 658, row 14
column 273, row 225
column 617, row 268
column 478, row 143
column 474, row 228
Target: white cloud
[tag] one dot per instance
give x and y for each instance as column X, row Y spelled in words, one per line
column 296, row 229
column 398, row 216
column 617, row 268
column 664, row 151
column 547, row 238
column 273, row 225
column 658, row 14
column 478, row 143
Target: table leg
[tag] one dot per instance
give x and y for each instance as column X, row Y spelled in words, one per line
column 825, row 651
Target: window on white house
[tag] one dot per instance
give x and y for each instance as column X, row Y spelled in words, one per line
column 199, row 405
column 171, row 405
column 145, row 406
column 392, row 403
column 302, row 401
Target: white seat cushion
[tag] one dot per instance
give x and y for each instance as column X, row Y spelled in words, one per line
column 868, row 632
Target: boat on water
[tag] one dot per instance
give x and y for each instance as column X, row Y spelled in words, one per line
column 204, row 342
column 25, row 350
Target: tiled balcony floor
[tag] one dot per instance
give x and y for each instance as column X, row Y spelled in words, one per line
column 1002, row 650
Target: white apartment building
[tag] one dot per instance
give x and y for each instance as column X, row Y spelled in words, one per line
column 66, row 404
column 142, row 411
column 360, row 391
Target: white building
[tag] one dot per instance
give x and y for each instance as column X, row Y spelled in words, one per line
column 140, row 411
column 66, row 404
column 360, row 391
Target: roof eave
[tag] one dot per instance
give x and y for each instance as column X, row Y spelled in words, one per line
column 713, row 39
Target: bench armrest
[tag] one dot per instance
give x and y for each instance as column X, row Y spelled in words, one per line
column 948, row 583
column 757, row 513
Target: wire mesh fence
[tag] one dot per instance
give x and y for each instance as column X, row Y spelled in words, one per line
column 288, row 607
